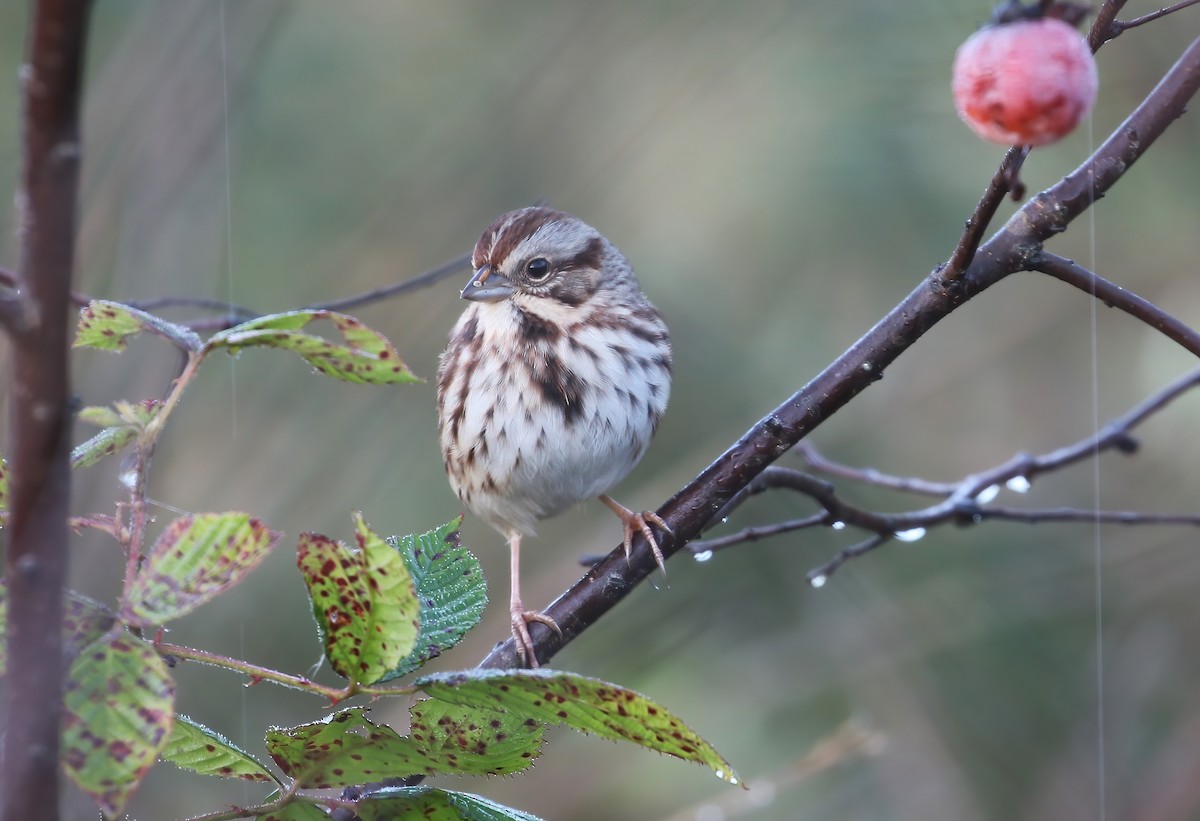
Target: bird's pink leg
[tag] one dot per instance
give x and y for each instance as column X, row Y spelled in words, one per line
column 519, row 616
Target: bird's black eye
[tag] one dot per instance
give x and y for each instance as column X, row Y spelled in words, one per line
column 538, row 269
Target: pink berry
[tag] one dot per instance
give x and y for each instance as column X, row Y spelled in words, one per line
column 1029, row 82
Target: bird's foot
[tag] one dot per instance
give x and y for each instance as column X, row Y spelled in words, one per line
column 520, row 631
column 640, row 523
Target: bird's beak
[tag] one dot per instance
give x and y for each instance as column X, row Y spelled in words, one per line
column 487, row 285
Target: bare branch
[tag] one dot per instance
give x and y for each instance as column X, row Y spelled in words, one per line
column 459, row 263
column 869, row 476
column 693, row 507
column 1125, row 25
column 1105, row 27
column 1001, row 183
column 1115, row 296
column 39, row 435
column 819, row 575
column 961, row 504
column 1070, row 514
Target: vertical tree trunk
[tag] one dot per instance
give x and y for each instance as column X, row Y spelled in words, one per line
column 37, row 319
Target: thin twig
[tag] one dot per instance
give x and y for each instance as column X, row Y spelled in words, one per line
column 820, row 574
column 1125, row 25
column 960, row 499
column 977, row 224
column 1070, row 514
column 423, row 280
column 753, row 534
column 869, row 476
column 1115, row 296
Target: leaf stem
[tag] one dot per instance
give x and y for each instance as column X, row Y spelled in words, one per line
column 257, row 674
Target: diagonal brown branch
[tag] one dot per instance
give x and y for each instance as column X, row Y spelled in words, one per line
column 1009, row 250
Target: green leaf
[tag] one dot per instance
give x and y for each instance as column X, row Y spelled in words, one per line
column 585, row 704
column 118, row 710
column 367, row 357
column 450, row 587
column 105, row 443
column 363, row 600
column 192, row 746
column 346, row 748
column 475, row 741
column 101, row 416
column 343, row 749
column 109, row 325
column 295, row 811
column 3, row 485
column 195, row 559
column 432, row 804
column 84, row 621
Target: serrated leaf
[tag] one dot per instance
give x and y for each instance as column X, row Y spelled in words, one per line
column 450, row 587
column 433, row 804
column 109, row 325
column 585, row 704
column 195, row 559
column 346, row 748
column 192, row 746
column 84, row 621
column 118, row 710
column 3, row 485
column 105, row 443
column 343, row 749
column 295, row 812
column 367, row 357
column 363, row 600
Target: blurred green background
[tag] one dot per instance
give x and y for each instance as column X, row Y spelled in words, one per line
column 780, row 174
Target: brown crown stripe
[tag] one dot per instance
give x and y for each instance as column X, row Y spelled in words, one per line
column 503, row 236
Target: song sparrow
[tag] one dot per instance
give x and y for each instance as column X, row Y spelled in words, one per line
column 552, row 385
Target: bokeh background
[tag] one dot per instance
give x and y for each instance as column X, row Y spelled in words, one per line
column 780, row 173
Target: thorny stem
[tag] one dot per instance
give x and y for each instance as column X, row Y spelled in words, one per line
column 133, row 535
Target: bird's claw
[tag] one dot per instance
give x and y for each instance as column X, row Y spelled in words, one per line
column 520, row 631
column 641, row 522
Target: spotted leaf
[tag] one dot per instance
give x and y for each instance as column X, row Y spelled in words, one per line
column 347, row 748
column 433, row 804
column 363, row 600
column 475, row 741
column 195, row 559
column 450, row 587
column 192, row 746
column 118, row 711
column 83, row 622
column 585, row 704
column 109, row 325
column 367, row 357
